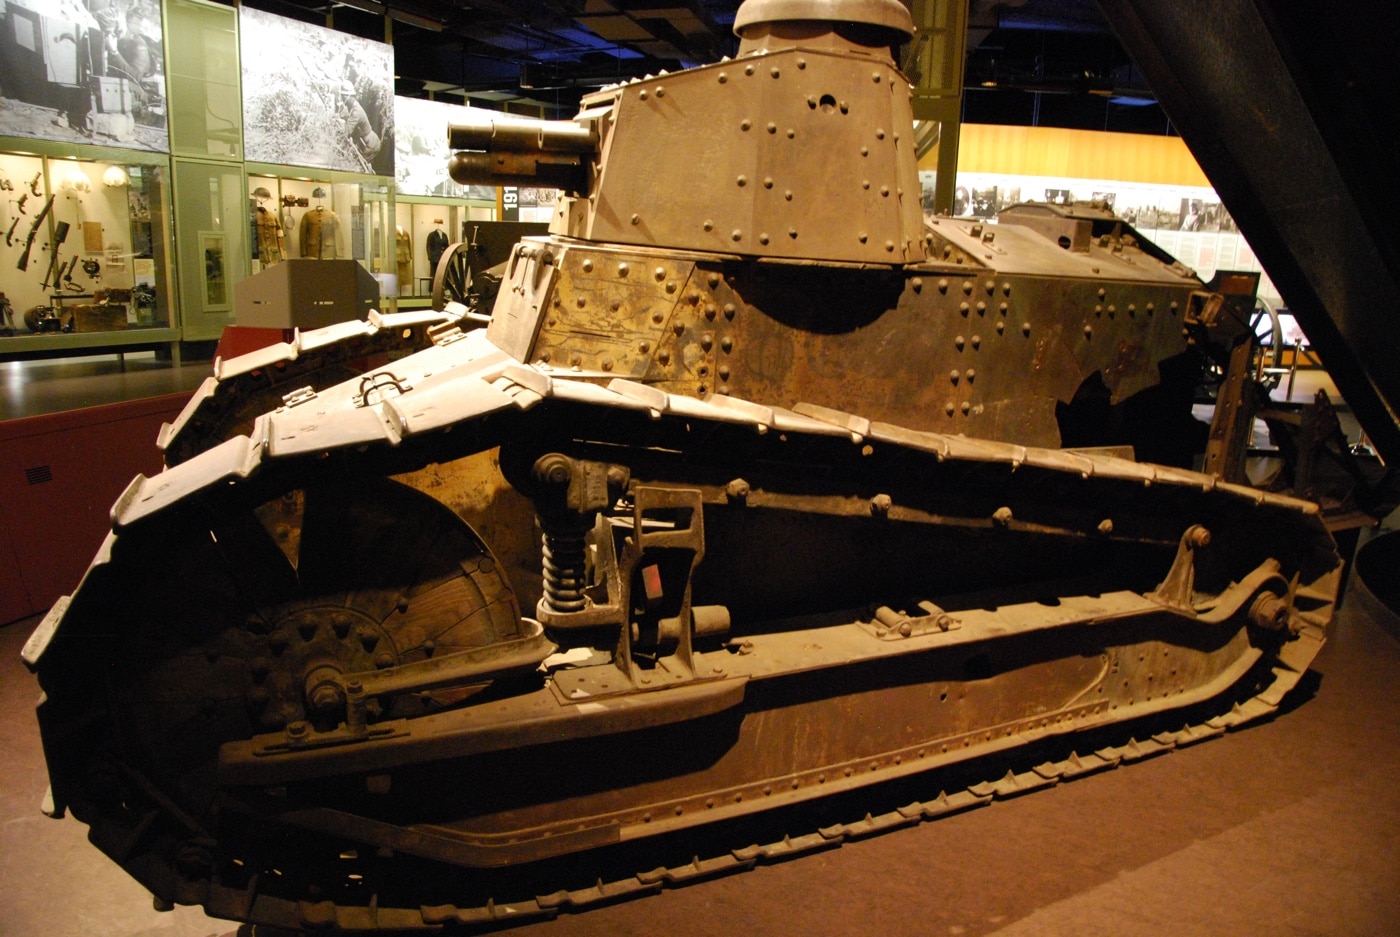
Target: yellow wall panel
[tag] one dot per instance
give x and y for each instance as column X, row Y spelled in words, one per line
column 1076, row 154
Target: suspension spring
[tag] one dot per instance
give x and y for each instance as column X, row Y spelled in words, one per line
column 565, row 570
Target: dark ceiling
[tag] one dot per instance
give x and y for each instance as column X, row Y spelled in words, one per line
column 1048, row 62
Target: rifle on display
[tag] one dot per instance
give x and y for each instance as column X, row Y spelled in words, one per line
column 33, row 232
column 34, row 184
column 10, row 234
column 60, row 234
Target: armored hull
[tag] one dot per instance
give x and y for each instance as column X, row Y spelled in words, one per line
column 684, row 538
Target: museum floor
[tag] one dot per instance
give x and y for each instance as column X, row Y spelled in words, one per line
column 1289, row 827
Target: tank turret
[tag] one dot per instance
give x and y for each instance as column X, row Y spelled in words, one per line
column 801, row 147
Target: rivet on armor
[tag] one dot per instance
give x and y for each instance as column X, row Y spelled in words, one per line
column 1002, row 516
column 1006, row 288
column 657, row 317
column 663, row 356
column 772, row 127
column 880, row 505
column 792, row 232
column 942, row 284
column 607, row 364
column 964, row 308
column 774, row 71
column 768, row 182
column 670, row 286
column 763, row 237
column 729, row 310
column 950, row 408
column 918, row 284
column 736, row 234
column 1102, row 292
column 971, row 375
column 726, row 343
column 889, row 245
column 643, row 347
column 801, row 63
column 622, row 270
column 844, row 106
column 678, row 327
column 990, row 285
column 1002, row 308
column 1106, row 526
column 1025, row 328
column 865, row 151
column 1151, row 308
column 981, row 307
column 544, row 357
column 954, row 375
column 1001, row 326
column 575, row 360
column 660, row 91
column 581, row 302
column 967, row 287
column 966, row 408
column 959, row 342
column 693, row 297
column 812, row 101
column 976, row 341
column 875, row 77
column 744, row 124
column 1132, row 309
column 865, row 183
column 885, row 191
column 659, row 273
column 588, row 266
column 737, row 489
column 748, row 69
column 713, row 280
column 787, row 194
column 709, row 310
column 723, row 77
column 1173, row 307
column 708, row 225
column 1111, row 310
column 743, row 181
column 1098, row 310
column 707, row 341
column 863, row 237
column 724, row 372
column 642, row 94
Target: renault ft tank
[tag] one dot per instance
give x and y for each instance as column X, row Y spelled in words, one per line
column 751, row 493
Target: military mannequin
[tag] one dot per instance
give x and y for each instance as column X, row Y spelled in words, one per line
column 437, row 244
column 403, row 255
column 271, row 241
column 319, row 228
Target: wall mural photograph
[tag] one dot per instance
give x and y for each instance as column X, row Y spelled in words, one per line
column 422, row 150
column 316, row 97
column 83, row 71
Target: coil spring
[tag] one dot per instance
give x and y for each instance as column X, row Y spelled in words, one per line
column 565, row 569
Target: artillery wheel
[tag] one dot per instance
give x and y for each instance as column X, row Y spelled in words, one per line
column 453, row 278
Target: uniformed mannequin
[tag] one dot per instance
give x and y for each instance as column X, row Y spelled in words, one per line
column 319, row 228
column 271, row 241
column 403, row 254
column 437, row 243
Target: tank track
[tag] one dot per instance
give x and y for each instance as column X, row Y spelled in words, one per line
column 463, row 395
column 247, row 904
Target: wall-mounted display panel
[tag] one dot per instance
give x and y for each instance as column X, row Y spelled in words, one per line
column 315, row 97
column 206, row 111
column 84, row 246
column 84, row 71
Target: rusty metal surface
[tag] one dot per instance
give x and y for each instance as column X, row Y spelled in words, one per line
column 695, row 530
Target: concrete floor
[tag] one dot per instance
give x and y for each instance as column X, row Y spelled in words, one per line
column 1290, row 827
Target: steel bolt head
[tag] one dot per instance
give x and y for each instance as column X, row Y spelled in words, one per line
column 880, row 504
column 737, row 489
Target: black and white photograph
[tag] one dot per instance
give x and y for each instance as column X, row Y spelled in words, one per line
column 315, row 97
column 83, row 71
column 420, row 161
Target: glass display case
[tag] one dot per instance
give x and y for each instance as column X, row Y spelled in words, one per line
column 84, row 249
column 423, row 230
